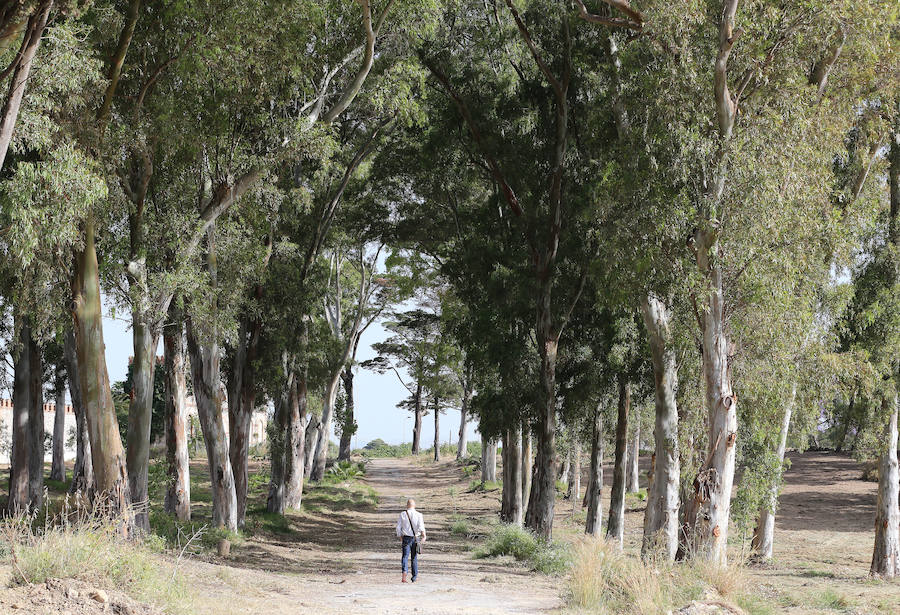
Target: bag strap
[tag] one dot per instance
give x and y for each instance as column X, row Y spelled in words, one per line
column 411, row 528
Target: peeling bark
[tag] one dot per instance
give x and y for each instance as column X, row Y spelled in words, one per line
column 178, row 483
column 886, row 554
column 661, row 517
column 295, row 441
column 206, row 382
column 108, row 456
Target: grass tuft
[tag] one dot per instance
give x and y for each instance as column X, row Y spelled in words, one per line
column 93, row 551
column 512, row 540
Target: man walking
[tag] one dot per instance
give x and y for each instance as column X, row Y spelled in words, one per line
column 410, row 530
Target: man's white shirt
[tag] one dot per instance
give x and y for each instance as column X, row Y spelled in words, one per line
column 403, row 523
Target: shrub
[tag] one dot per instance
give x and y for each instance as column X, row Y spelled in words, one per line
column 343, row 471
column 542, row 556
column 459, row 528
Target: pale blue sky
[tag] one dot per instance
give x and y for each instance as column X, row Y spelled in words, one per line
column 376, row 394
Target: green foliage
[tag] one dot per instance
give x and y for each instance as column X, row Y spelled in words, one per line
column 539, row 555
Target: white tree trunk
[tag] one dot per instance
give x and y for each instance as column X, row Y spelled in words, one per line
column 764, row 533
column 633, row 483
column 707, row 514
column 178, row 489
column 488, row 460
column 661, row 516
column 886, row 554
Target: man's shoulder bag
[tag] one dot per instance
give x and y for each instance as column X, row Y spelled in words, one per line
column 415, row 534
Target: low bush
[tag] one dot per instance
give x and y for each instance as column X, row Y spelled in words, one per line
column 460, row 528
column 540, row 555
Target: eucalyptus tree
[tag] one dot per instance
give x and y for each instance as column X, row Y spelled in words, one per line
column 352, row 303
column 514, row 90
column 263, row 126
column 729, row 178
column 48, row 182
column 873, row 328
column 28, row 19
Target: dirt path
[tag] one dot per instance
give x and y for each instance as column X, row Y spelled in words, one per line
column 348, row 561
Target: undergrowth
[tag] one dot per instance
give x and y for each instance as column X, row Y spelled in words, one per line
column 83, row 545
column 538, row 554
column 605, row 580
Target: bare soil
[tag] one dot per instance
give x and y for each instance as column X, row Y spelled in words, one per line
column 346, row 558
column 348, row 561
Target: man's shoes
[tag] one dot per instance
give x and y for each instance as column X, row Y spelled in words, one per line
column 404, row 578
column 413, row 579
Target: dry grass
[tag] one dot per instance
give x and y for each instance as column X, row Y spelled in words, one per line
column 605, row 580
column 82, row 545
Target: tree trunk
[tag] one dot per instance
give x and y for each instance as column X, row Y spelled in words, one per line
column 295, row 442
column 764, row 532
column 417, row 420
column 178, row 483
column 58, row 464
column 661, row 517
column 241, row 404
column 83, row 472
column 437, row 430
column 277, row 449
column 462, row 446
column 140, row 412
column 886, row 554
column 633, row 484
column 321, row 457
column 488, row 460
column 20, row 467
column 33, row 33
column 207, row 393
column 311, row 434
column 615, row 528
column 564, row 470
column 511, row 510
column 36, row 430
column 108, row 457
column 349, row 425
column 539, row 517
column 527, row 464
column 595, row 483
column 708, row 511
column 574, row 487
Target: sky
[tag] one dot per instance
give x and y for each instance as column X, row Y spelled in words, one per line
column 376, row 395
